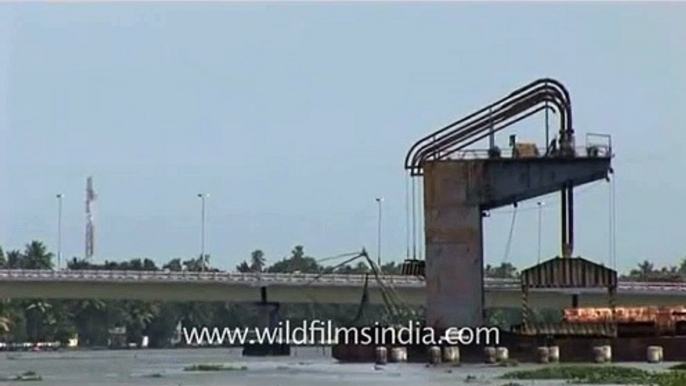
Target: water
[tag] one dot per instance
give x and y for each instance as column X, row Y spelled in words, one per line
column 305, row 367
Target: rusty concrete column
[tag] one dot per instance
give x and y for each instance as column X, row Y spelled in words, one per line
column 453, row 236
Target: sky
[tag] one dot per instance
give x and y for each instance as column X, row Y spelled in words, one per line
column 295, row 117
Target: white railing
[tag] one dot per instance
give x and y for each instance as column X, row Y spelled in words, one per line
column 298, row 279
column 186, row 276
column 591, row 150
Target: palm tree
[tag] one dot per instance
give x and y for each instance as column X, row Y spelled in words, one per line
column 257, row 261
column 4, row 324
column 243, row 267
column 5, row 316
column 138, row 316
column 36, row 256
column 174, row 265
column 504, row 271
column 39, row 315
column 90, row 318
column 14, row 259
column 644, row 271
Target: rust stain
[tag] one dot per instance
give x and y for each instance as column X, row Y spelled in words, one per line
column 664, row 318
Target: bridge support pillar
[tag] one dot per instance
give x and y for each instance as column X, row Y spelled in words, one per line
column 454, row 268
column 267, row 318
column 456, row 192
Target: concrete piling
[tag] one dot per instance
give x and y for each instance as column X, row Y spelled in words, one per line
column 502, row 354
column 451, row 354
column 554, row 354
column 381, row 355
column 543, row 355
column 489, row 353
column 398, row 354
column 654, row 354
column 434, row 355
column 607, row 350
column 598, row 354
column 602, row 354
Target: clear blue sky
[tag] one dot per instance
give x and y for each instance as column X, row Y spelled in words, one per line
column 295, row 117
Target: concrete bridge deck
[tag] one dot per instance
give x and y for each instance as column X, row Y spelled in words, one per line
column 296, row 288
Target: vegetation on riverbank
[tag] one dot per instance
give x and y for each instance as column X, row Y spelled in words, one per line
column 679, row 367
column 214, row 367
column 601, row 375
column 28, row 376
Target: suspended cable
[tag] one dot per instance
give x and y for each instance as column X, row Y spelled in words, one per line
column 553, row 201
column 509, row 238
column 614, row 222
column 323, row 259
column 414, row 222
column 355, row 257
column 547, row 128
column 363, row 302
column 539, row 236
column 610, row 262
column 420, row 218
column 407, row 214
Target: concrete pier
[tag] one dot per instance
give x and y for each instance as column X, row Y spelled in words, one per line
column 456, row 192
column 381, row 355
column 654, row 354
column 267, row 317
column 434, row 355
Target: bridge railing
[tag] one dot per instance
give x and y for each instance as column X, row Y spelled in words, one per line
column 188, row 276
column 296, row 279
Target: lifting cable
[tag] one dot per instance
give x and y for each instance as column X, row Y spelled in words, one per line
column 388, row 294
column 414, row 221
column 509, row 237
column 407, row 215
column 363, row 302
column 420, row 218
column 613, row 231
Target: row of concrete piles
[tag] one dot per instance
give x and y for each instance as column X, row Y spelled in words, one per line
column 500, row 355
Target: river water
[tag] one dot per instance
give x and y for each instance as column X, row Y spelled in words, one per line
column 305, row 367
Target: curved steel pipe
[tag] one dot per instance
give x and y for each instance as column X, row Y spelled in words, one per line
column 547, row 82
column 528, row 100
column 553, row 90
column 458, row 133
column 484, row 136
column 456, row 142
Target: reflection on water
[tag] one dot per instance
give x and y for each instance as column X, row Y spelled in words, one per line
column 306, row 366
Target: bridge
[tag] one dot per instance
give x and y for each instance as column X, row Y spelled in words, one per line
column 299, row 288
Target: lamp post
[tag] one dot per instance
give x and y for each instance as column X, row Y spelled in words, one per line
column 59, row 230
column 379, row 200
column 202, row 197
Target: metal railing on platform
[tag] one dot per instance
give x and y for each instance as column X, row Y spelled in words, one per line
column 589, row 151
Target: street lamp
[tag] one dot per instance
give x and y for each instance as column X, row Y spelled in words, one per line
column 540, row 204
column 59, row 230
column 202, row 197
column 379, row 200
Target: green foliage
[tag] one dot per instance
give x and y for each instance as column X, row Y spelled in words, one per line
column 601, row 375
column 503, row 271
column 584, row 374
column 213, row 367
